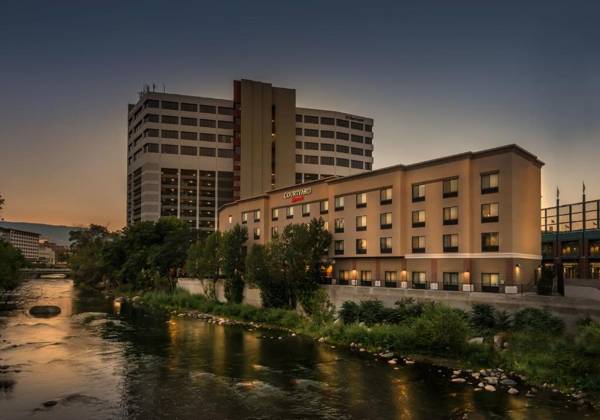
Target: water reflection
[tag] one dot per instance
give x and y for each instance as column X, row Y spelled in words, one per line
column 136, row 366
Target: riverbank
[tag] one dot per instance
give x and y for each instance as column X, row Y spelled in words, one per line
column 527, row 362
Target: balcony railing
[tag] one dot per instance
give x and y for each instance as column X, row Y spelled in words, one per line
column 489, row 219
column 450, row 194
column 450, row 249
column 386, row 250
column 391, row 284
column 450, row 222
column 418, row 224
column 490, row 248
column 385, row 226
column 450, row 287
column 419, row 285
column 386, row 201
column 368, row 283
column 490, row 288
column 339, row 252
column 418, row 250
column 361, row 228
column 361, row 251
column 489, row 190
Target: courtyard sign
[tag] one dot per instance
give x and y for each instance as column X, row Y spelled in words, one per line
column 297, row 195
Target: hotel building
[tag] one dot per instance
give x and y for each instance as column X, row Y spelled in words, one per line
column 465, row 222
column 189, row 155
column 26, row 242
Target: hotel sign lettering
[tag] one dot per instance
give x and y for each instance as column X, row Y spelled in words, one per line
column 297, row 195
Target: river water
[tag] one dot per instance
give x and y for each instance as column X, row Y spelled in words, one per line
column 133, row 365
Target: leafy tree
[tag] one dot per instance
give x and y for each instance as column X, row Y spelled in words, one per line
column 203, row 261
column 232, row 255
column 87, row 251
column 11, row 260
column 2, row 201
column 263, row 272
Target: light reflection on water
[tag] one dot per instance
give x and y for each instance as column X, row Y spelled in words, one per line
column 133, row 365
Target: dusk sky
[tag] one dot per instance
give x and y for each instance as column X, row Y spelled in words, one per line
column 438, row 78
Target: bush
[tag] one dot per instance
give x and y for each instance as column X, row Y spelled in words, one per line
column 545, row 284
column 349, row 312
column 441, row 330
column 483, row 316
column 587, row 339
column 538, row 320
column 406, row 308
column 372, row 312
column 503, row 321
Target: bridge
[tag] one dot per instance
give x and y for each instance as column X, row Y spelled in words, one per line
column 36, row 273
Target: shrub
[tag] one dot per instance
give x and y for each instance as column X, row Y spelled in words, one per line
column 372, row 312
column 407, row 308
column 587, row 339
column 349, row 312
column 503, row 321
column 538, row 320
column 483, row 316
column 441, row 330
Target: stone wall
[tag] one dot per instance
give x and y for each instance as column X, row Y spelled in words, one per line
column 195, row 286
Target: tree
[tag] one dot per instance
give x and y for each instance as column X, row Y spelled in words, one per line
column 86, row 260
column 203, row 262
column 232, row 256
column 11, row 260
column 1, row 202
column 264, row 272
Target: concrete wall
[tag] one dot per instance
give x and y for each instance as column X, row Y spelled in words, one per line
column 196, row 287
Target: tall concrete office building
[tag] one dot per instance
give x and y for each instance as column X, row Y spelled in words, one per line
column 188, row 155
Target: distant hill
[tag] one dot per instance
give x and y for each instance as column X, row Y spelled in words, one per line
column 57, row 234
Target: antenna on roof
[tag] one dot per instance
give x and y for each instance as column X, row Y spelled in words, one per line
column 164, row 89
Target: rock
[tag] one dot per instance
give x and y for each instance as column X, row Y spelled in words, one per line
column 490, row 388
column 50, row 403
column 362, row 350
column 120, row 299
column 530, row 394
column 476, row 340
column 409, row 362
column 392, row 361
column 388, row 355
column 44, row 311
column 322, row 340
column 508, row 382
column 136, row 299
column 513, row 391
column 492, row 380
column 459, row 380
column 478, row 389
column 480, row 384
column 293, row 334
column 456, row 372
column 475, row 375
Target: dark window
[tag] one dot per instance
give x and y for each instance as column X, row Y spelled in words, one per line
column 311, row 145
column 368, row 166
column 356, row 126
column 311, row 119
column 489, row 183
column 226, row 124
column 208, row 109
column 340, row 148
column 225, row 153
column 309, row 132
column 188, row 135
column 169, row 134
column 328, row 147
column 151, row 148
column 490, row 242
column 361, row 246
column 385, row 220
column 169, row 119
column 151, row 118
column 450, row 215
column 357, row 151
column 327, row 160
column 189, row 150
column 368, row 153
column 418, row 244
column 151, row 103
column 418, row 192
column 151, row 132
column 223, row 138
column 357, row 139
column 490, row 282
column 339, row 247
column 311, row 159
column 357, row 164
column 339, row 226
column 299, row 160
column 207, row 137
column 341, row 135
column 208, row 123
column 368, row 128
column 342, row 123
column 298, row 175
column 385, row 245
column 207, row 151
column 450, row 242
column 298, row 118
column 418, row 218
column 450, row 187
column 189, row 121
column 169, row 105
column 189, row 107
column 327, row 121
column 451, row 281
column 171, row 149
column 298, row 145
column 368, row 140
column 298, row 131
column 225, row 110
column 310, row 177
column 342, row 162
column 327, row 134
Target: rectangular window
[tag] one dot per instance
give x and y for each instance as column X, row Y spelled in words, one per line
column 275, row 214
column 298, row 131
column 310, row 177
column 327, row 134
column 339, row 226
column 361, row 246
column 418, row 244
column 489, row 183
column 450, row 281
column 356, row 139
column 385, row 196
column 418, row 218
column 151, row 103
column 309, row 145
column 340, row 148
column 385, row 220
column 419, row 280
column 309, row 132
column 361, row 223
column 369, row 140
column 490, row 242
column 299, row 159
column 340, row 135
column 450, row 188
column 342, row 123
column 189, row 121
column 339, row 203
column 450, row 242
column 490, row 282
column 298, row 145
column 357, row 126
column 368, row 153
column 257, row 215
column 225, row 153
column 188, row 135
column 327, row 160
column 324, row 206
column 314, row 160
column 189, row 150
column 169, row 105
column 368, row 128
column 150, row 148
column 327, row 147
column 327, row 121
column 207, row 137
column 289, row 212
column 169, row 134
column 244, row 217
column 305, row 210
column 298, row 118
column 385, row 245
column 338, row 247
column 366, row 278
column 189, row 107
column 208, row 123
column 451, row 215
column 311, row 119
column 169, row 119
column 391, row 278
column 489, row 213
column 208, row 109
column 207, row 151
column 227, row 125
column 418, row 192
column 256, row 233
column 361, row 200
column 225, row 110
column 171, row 149
column 342, row 162
column 225, row 138
column 274, row 231
column 357, row 164
column 356, row 151
column 368, row 166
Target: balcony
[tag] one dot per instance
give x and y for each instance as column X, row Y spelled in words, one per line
column 386, row 250
column 361, row 251
column 418, row 224
column 489, row 219
column 451, row 287
column 489, row 190
column 490, row 248
column 421, row 286
column 385, row 202
column 367, row 283
column 418, row 250
column 391, row 284
column 450, row 249
column 450, row 194
column 490, row 288
column 361, row 228
column 339, row 252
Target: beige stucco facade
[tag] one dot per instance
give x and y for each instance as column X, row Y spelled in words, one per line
column 470, row 259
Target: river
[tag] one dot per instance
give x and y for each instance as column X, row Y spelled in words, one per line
column 133, row 365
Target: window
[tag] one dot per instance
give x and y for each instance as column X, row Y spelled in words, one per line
column 369, row 140
column 228, row 125
column 391, row 278
column 327, row 121
column 311, row 119
column 274, row 231
column 327, row 134
column 305, row 210
column 207, row 137
column 489, row 213
column 298, row 145
column 327, row 147
column 385, row 220
column 327, row 160
column 324, row 206
column 356, row 151
column 298, row 131
column 490, row 282
column 341, row 123
column 230, row 219
column 419, row 280
column 339, row 225
column 310, row 177
column 368, row 128
column 314, row 160
column 298, row 158
column 366, row 278
column 169, row 119
column 418, row 192
column 150, row 148
column 189, row 150
column 224, row 138
column 169, row 134
column 450, row 242
column 225, row 110
column 450, row 281
column 342, row 136
column 171, row 149
column 256, row 233
column 490, row 242
column 368, row 166
column 275, row 214
column 450, row 188
column 356, row 126
column 357, row 164
column 368, row 153
column 189, row 107
column 344, row 276
column 338, row 247
column 489, row 183
column 418, row 244
column 309, row 132
column 361, row 246
column 207, row 151
column 208, row 123
column 225, row 153
column 451, row 215
column 298, row 118
column 361, row 223
column 385, row 245
column 189, row 121
column 169, row 105
column 339, row 203
column 257, row 215
column 340, row 148
column 356, row 139
column 361, row 200
column 289, row 212
column 188, row 135
column 309, row 145
column 244, row 217
column 418, row 218
column 385, row 195
column 208, row 109
column 151, row 103
column 298, row 178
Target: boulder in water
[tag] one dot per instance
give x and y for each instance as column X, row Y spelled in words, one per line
column 44, row 311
